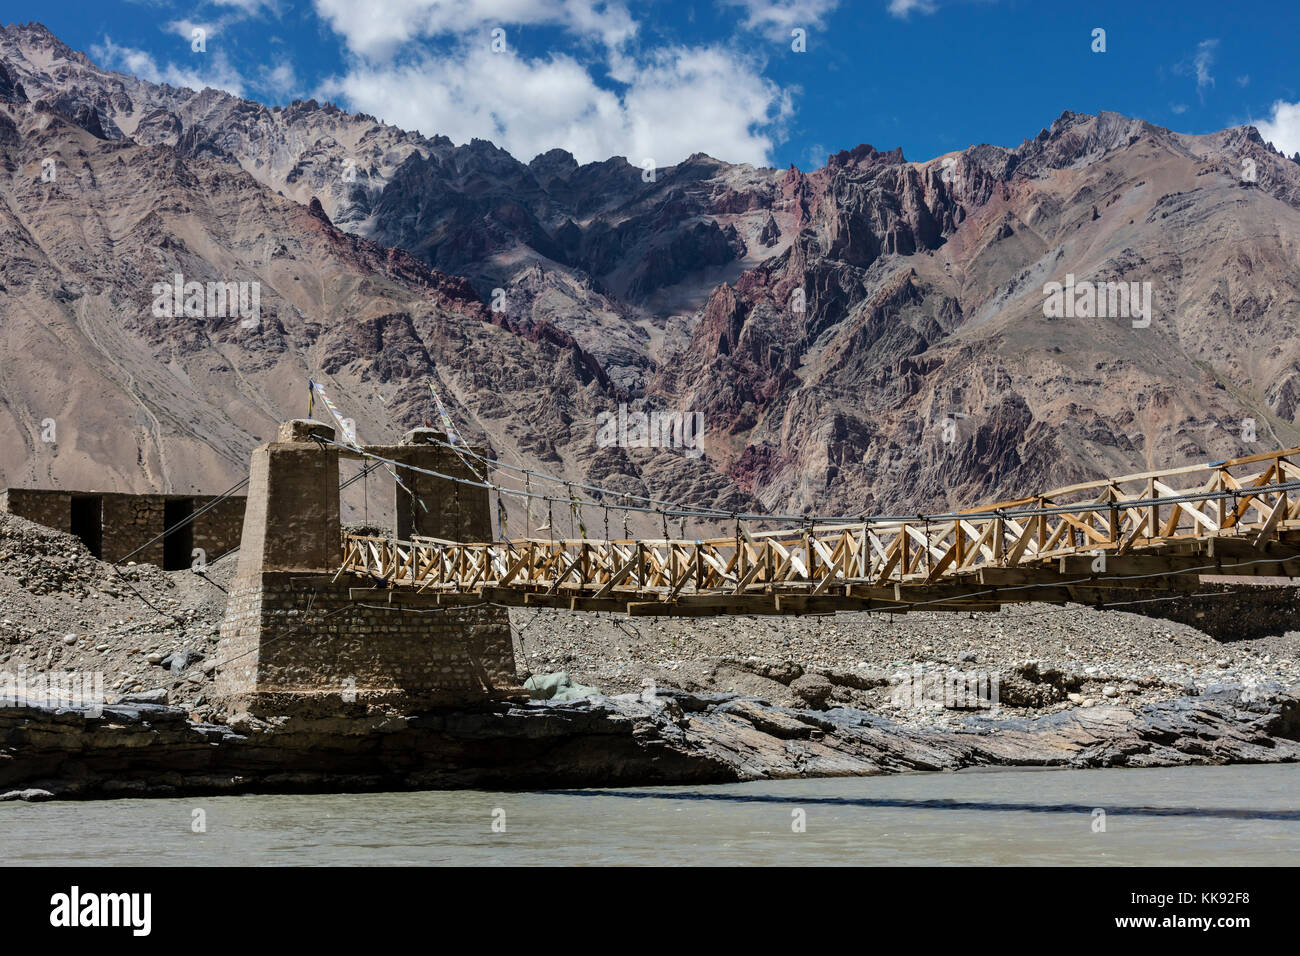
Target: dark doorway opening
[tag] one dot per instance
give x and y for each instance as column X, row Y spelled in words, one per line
column 88, row 522
column 179, row 543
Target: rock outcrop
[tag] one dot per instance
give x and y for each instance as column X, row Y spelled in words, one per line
column 674, row 737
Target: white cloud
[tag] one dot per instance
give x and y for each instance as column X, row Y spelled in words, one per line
column 703, row 100
column 903, row 8
column 1200, row 66
column 1283, row 128
column 185, row 29
column 1204, row 60
column 777, row 18
column 280, row 79
column 237, row 11
column 381, row 29
column 677, row 101
column 208, row 69
column 429, row 65
column 249, row 7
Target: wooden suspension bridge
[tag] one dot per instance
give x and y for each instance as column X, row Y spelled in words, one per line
column 1093, row 543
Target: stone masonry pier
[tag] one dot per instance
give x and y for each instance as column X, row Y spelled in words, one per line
column 299, row 637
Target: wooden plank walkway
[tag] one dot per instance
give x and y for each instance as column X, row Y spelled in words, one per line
column 1093, row 542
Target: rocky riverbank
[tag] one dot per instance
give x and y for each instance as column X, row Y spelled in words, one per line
column 663, row 736
column 1044, row 659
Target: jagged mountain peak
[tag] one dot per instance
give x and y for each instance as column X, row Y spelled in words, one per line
column 557, row 163
column 863, row 156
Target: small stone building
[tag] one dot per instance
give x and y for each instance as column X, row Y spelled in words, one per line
column 113, row 525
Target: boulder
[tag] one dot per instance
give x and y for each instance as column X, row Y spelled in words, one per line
column 1027, row 686
column 557, row 686
column 812, row 689
column 857, row 679
column 178, row 661
column 31, row 795
column 156, row 696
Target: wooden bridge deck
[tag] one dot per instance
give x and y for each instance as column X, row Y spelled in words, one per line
column 1094, row 542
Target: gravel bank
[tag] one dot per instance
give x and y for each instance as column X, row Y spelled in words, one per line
column 1046, row 658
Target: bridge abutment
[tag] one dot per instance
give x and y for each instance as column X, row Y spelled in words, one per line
column 300, row 638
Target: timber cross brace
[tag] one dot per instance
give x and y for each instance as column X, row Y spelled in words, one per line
column 1154, row 532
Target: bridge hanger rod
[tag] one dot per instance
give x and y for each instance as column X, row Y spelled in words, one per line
column 571, row 484
column 806, row 520
column 996, row 509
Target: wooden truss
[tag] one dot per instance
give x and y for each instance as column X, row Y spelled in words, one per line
column 1156, row 531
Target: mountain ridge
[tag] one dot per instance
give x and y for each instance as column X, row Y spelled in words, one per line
column 864, row 336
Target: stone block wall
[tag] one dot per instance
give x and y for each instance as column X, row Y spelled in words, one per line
column 436, row 507
column 286, row 635
column 128, row 521
column 218, row 530
column 1231, row 612
column 50, row 508
column 291, row 522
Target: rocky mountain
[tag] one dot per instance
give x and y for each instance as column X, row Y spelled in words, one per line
column 619, row 244
column 100, row 391
column 870, row 336
column 917, row 363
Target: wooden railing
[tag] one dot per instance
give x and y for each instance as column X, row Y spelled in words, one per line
column 1148, row 530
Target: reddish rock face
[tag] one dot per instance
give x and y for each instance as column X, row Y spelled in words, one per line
column 921, row 366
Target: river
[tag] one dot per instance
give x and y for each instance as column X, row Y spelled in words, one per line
column 1243, row 815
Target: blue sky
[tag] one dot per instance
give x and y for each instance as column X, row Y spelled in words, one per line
column 660, row 80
